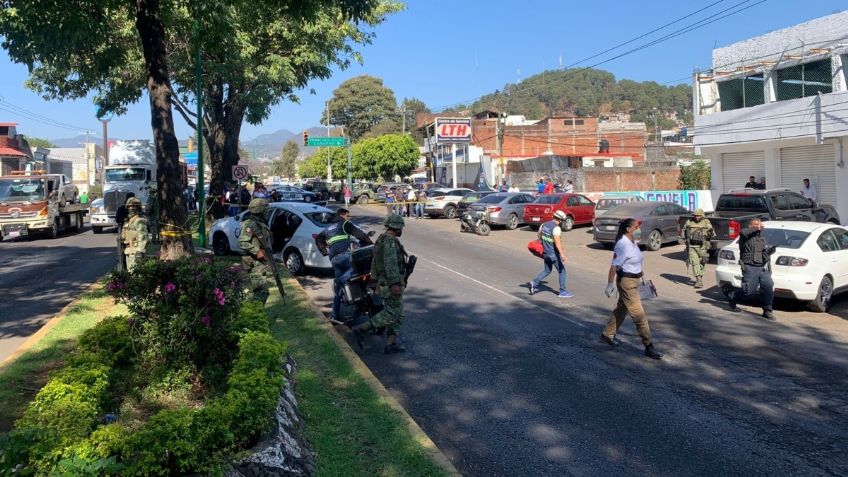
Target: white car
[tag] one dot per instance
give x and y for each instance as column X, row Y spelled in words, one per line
column 294, row 226
column 809, row 264
column 443, row 202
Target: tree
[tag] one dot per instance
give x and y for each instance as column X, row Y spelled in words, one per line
column 285, row 166
column 39, row 142
column 696, row 176
column 360, row 103
column 411, row 107
column 385, row 156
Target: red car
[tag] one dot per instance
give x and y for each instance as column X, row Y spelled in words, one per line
column 579, row 209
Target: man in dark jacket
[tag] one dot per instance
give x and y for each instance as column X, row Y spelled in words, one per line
column 755, row 257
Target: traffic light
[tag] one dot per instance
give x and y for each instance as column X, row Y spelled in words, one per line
column 305, row 138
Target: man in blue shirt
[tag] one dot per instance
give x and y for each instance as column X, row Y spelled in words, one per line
column 550, row 234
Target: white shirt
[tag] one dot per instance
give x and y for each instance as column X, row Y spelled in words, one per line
column 627, row 256
column 569, row 188
column 513, row 189
column 809, row 193
column 410, row 195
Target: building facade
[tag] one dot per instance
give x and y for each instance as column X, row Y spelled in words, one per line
column 15, row 153
column 773, row 106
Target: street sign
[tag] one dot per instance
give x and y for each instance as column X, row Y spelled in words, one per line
column 326, row 142
column 453, row 130
column 240, row 173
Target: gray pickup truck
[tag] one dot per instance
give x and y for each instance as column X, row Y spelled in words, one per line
column 734, row 209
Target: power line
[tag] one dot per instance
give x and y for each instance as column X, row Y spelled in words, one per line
column 33, row 116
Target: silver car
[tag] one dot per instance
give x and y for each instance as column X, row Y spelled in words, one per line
column 505, row 208
column 443, row 202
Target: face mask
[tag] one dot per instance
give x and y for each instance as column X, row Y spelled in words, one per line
column 637, row 234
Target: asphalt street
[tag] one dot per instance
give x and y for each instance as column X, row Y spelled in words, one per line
column 512, row 384
column 39, row 276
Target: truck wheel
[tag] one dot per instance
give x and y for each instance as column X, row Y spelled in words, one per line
column 362, row 200
column 96, row 229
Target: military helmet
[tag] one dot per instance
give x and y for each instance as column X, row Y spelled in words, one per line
column 133, row 202
column 699, row 212
column 393, row 221
column 257, row 206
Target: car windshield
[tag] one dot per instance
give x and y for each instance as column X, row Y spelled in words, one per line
column 22, row 190
column 605, row 204
column 125, row 174
column 741, row 202
column 321, row 219
column 785, row 238
column 548, row 199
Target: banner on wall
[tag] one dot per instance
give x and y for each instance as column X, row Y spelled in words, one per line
column 691, row 199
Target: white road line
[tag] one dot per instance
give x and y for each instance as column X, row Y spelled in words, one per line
column 496, row 290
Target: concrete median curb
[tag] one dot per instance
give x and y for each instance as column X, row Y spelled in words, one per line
column 359, row 366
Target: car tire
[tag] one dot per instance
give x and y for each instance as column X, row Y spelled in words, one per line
column 567, row 224
column 450, row 212
column 294, row 262
column 512, row 222
column 823, row 298
column 362, row 200
column 654, row 240
column 97, row 230
column 220, row 244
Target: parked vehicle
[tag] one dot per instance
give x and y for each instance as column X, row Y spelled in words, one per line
column 443, row 202
column 658, row 221
column 469, row 199
column 386, row 187
column 363, row 193
column 293, row 225
column 503, row 208
column 477, row 222
column 613, row 200
column 31, row 204
column 132, row 168
column 579, row 210
column 323, row 190
column 428, row 185
column 810, row 263
column 734, row 209
column 295, row 194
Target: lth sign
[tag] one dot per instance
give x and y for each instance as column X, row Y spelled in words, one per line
column 453, row 130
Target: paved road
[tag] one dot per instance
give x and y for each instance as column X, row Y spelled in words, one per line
column 509, row 384
column 39, row 276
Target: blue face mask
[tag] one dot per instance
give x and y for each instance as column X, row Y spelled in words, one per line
column 637, row 234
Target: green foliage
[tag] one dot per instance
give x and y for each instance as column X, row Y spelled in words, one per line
column 384, row 156
column 696, row 176
column 587, row 92
column 360, row 103
column 285, row 166
column 39, row 142
column 181, row 310
column 109, row 341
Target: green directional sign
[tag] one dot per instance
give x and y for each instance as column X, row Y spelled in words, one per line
column 326, row 142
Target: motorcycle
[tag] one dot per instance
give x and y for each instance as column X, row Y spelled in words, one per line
column 360, row 299
column 478, row 224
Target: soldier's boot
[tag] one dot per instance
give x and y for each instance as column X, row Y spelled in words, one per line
column 359, row 332
column 393, row 345
column 699, row 282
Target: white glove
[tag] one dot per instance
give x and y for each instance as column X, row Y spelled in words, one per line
column 610, row 289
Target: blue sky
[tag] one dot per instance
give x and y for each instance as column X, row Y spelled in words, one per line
column 445, row 52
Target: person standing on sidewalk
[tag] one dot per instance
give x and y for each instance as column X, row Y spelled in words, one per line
column 626, row 272
column 347, row 195
column 697, row 233
column 550, row 234
column 756, row 267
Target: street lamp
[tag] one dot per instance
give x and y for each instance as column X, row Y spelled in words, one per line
column 500, row 127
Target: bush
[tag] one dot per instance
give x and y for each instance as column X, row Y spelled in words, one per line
column 696, row 176
column 110, row 341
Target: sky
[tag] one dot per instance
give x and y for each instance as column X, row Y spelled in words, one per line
column 447, row 52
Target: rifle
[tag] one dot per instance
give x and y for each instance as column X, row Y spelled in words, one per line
column 272, row 263
column 411, row 260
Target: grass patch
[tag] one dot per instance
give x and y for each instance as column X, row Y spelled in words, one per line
column 352, row 430
column 23, row 377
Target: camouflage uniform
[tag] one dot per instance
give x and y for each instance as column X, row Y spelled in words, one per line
column 697, row 234
column 388, row 268
column 252, row 237
column 134, row 234
column 153, row 214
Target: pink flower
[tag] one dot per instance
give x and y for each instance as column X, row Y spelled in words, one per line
column 219, row 296
column 169, row 287
column 206, row 320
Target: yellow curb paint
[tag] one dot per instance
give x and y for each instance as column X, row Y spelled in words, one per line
column 42, row 332
column 418, row 434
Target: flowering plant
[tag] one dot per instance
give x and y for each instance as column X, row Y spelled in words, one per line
column 182, row 310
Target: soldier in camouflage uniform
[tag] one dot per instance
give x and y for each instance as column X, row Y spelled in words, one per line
column 388, row 268
column 253, row 237
column 697, row 232
column 134, row 234
column 153, row 213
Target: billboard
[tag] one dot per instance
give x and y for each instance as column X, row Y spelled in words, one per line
column 453, row 130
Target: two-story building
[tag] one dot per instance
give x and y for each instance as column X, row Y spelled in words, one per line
column 776, row 106
column 15, row 153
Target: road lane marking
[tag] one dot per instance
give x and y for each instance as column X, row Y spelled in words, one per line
column 499, row 291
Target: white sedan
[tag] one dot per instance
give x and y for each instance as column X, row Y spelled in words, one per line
column 294, row 226
column 810, row 263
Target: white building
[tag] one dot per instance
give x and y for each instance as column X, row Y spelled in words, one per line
column 776, row 106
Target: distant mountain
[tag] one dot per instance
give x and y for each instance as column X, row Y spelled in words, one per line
column 76, row 141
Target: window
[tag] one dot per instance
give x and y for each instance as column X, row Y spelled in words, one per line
column 841, row 237
column 808, row 79
column 584, row 201
column 660, row 210
column 548, row 199
column 573, row 122
column 786, row 238
column 796, row 202
column 828, row 242
column 741, row 202
column 679, row 210
column 741, row 92
column 779, row 202
column 573, row 201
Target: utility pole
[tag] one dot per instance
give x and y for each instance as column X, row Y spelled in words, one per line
column 329, row 150
column 656, row 129
column 403, row 112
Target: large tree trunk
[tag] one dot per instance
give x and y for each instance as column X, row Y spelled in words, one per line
column 172, row 211
column 222, row 137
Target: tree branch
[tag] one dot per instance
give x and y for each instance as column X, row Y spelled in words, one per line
column 184, row 112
